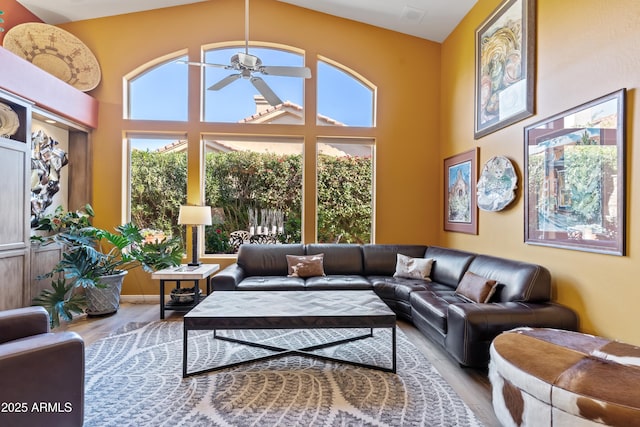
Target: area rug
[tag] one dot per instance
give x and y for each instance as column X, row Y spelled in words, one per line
column 134, row 378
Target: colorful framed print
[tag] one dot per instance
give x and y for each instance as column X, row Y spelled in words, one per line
column 575, row 178
column 460, row 176
column 505, row 67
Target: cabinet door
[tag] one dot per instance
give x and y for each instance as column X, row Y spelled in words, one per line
column 14, row 194
column 43, row 260
column 14, row 222
column 13, row 272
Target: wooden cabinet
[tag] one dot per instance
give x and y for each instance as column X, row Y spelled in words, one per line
column 15, row 169
column 31, row 92
column 43, row 259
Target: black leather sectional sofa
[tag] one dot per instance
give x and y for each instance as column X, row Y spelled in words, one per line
column 465, row 329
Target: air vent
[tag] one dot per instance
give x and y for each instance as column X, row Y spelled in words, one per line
column 412, row 14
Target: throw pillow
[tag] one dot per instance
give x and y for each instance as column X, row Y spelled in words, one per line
column 475, row 288
column 413, row 268
column 306, row 266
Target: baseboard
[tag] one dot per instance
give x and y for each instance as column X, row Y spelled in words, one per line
column 140, row 299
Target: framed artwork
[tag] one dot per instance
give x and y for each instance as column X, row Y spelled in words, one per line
column 505, row 54
column 460, row 175
column 575, row 178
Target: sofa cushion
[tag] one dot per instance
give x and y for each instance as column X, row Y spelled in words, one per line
column 413, row 268
column 380, row 260
column 474, row 288
column 518, row 281
column 449, row 265
column 337, row 282
column 267, row 260
column 338, row 258
column 395, row 288
column 431, row 307
column 271, row 283
column 305, row 265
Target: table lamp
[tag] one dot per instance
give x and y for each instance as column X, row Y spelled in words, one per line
column 194, row 216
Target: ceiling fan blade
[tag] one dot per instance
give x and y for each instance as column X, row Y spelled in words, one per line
column 202, row 64
column 224, row 82
column 286, row 71
column 266, row 91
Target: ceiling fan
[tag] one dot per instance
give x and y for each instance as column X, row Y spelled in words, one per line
column 247, row 65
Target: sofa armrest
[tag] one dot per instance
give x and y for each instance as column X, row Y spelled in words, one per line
column 23, row 322
column 46, row 368
column 228, row 278
column 472, row 327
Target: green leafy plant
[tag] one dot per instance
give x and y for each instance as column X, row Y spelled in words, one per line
column 60, row 302
column 90, row 253
column 61, row 220
column 217, row 241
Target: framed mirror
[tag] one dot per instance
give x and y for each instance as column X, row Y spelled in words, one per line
column 575, row 178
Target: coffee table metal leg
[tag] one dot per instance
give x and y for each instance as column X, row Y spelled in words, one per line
column 184, row 351
column 281, row 352
column 393, row 349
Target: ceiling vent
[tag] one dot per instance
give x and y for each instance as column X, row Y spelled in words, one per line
column 411, row 14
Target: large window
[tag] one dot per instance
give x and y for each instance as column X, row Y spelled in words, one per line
column 259, row 183
column 345, row 189
column 157, row 182
column 254, row 185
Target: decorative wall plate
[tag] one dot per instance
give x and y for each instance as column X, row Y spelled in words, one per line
column 56, row 51
column 497, row 184
column 9, row 121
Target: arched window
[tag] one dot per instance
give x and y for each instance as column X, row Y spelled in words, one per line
column 159, row 92
column 344, row 98
column 253, row 180
column 240, row 101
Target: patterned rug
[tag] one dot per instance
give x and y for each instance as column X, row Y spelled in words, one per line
column 134, row 378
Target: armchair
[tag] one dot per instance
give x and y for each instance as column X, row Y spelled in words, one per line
column 41, row 373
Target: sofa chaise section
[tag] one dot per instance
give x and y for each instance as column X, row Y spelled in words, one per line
column 466, row 330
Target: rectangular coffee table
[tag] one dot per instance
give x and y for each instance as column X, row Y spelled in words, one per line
column 227, row 310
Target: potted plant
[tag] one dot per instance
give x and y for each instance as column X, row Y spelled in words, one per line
column 60, row 221
column 96, row 261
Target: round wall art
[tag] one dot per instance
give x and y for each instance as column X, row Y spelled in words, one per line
column 497, row 184
column 56, row 51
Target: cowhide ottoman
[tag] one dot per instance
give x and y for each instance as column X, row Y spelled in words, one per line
column 550, row 377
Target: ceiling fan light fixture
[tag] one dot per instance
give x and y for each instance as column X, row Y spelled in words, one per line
column 248, row 60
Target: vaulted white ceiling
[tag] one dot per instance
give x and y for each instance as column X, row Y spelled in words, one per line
column 427, row 19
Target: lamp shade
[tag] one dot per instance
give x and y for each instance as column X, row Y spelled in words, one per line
column 195, row 215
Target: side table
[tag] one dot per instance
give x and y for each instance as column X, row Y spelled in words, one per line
column 184, row 273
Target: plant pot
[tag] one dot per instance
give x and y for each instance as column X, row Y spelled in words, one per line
column 105, row 300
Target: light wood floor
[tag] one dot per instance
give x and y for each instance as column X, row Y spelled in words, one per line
column 472, row 385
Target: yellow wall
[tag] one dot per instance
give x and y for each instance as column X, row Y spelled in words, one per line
column 585, row 49
column 405, row 69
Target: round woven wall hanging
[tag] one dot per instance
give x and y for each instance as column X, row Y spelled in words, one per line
column 56, row 51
